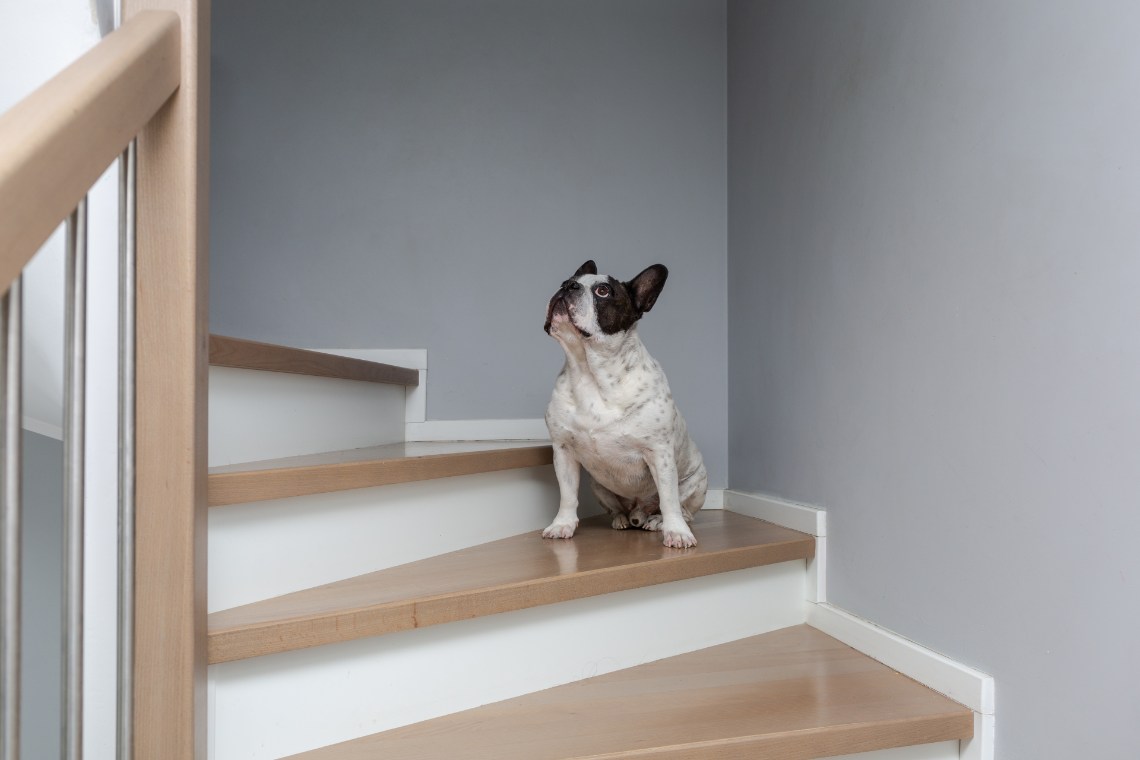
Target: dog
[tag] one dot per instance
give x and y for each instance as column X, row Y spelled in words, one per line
column 612, row 412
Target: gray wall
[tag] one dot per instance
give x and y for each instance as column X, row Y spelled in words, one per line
column 934, row 316
column 42, row 587
column 423, row 174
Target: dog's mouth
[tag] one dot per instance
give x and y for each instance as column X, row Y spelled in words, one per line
column 559, row 306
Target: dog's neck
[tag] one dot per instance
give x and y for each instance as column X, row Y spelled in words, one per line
column 605, row 363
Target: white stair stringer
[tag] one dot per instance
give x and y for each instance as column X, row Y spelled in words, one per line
column 277, row 705
column 269, row 548
column 256, row 415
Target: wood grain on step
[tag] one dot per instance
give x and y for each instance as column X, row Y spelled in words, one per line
column 511, row 574
column 792, row 694
column 269, row 357
column 364, row 468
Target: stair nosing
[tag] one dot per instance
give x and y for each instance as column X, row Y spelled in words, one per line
column 818, row 684
column 240, row 353
column 245, row 486
column 421, row 611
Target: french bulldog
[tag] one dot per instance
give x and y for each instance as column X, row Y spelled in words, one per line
column 612, row 412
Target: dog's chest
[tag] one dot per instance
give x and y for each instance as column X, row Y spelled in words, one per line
column 609, row 430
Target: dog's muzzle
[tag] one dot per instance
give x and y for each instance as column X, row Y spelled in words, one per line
column 560, row 304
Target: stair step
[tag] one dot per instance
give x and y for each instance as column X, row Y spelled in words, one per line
column 793, row 693
column 269, row 357
column 367, row 467
column 510, row 574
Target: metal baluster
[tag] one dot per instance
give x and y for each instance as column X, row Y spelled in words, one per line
column 125, row 690
column 75, row 347
column 10, row 459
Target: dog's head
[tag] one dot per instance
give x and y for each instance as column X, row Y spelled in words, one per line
column 591, row 306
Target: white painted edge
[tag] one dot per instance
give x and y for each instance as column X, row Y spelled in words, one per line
column 33, row 425
column 816, row 588
column 478, row 430
column 789, row 514
column 714, row 499
column 981, row 747
column 415, row 408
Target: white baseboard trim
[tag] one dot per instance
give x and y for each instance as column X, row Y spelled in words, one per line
column 714, row 499
column 959, row 682
column 478, row 430
column 31, row 424
column 801, row 517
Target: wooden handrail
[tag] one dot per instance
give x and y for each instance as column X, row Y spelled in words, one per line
column 55, row 143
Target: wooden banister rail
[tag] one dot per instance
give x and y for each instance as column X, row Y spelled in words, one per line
column 56, row 143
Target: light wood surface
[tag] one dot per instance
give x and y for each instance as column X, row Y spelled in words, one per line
column 170, row 549
column 56, row 142
column 363, row 468
column 510, row 574
column 250, row 354
column 791, row 694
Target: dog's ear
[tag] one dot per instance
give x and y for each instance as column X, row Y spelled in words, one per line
column 645, row 288
column 588, row 268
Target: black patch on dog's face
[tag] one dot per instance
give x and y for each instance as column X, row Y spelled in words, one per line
column 614, row 306
column 617, row 305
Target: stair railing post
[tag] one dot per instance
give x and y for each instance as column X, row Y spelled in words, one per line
column 10, row 506
column 74, row 397
column 171, row 338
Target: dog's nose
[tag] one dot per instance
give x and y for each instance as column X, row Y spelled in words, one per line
column 571, row 285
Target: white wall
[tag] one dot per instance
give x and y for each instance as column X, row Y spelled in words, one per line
column 424, row 173
column 933, row 279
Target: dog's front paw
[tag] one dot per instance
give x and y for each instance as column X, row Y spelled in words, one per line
column 558, row 529
column 679, row 537
column 620, row 522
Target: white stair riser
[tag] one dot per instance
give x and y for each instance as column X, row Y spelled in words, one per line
column 268, row 548
column 937, row 751
column 258, row 415
column 278, row 705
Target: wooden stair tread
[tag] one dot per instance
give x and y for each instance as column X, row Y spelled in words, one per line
column 269, row 357
column 790, row 694
column 367, row 467
column 510, row 574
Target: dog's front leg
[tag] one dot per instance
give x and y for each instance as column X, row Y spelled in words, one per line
column 568, row 471
column 663, row 467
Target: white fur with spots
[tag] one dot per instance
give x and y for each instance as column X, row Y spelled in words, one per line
column 612, row 413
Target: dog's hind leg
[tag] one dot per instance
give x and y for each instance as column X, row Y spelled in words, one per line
column 693, row 490
column 646, row 514
column 614, row 505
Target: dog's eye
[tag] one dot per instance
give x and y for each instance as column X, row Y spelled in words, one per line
column 602, row 291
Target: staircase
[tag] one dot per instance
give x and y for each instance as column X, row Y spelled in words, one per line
column 371, row 597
